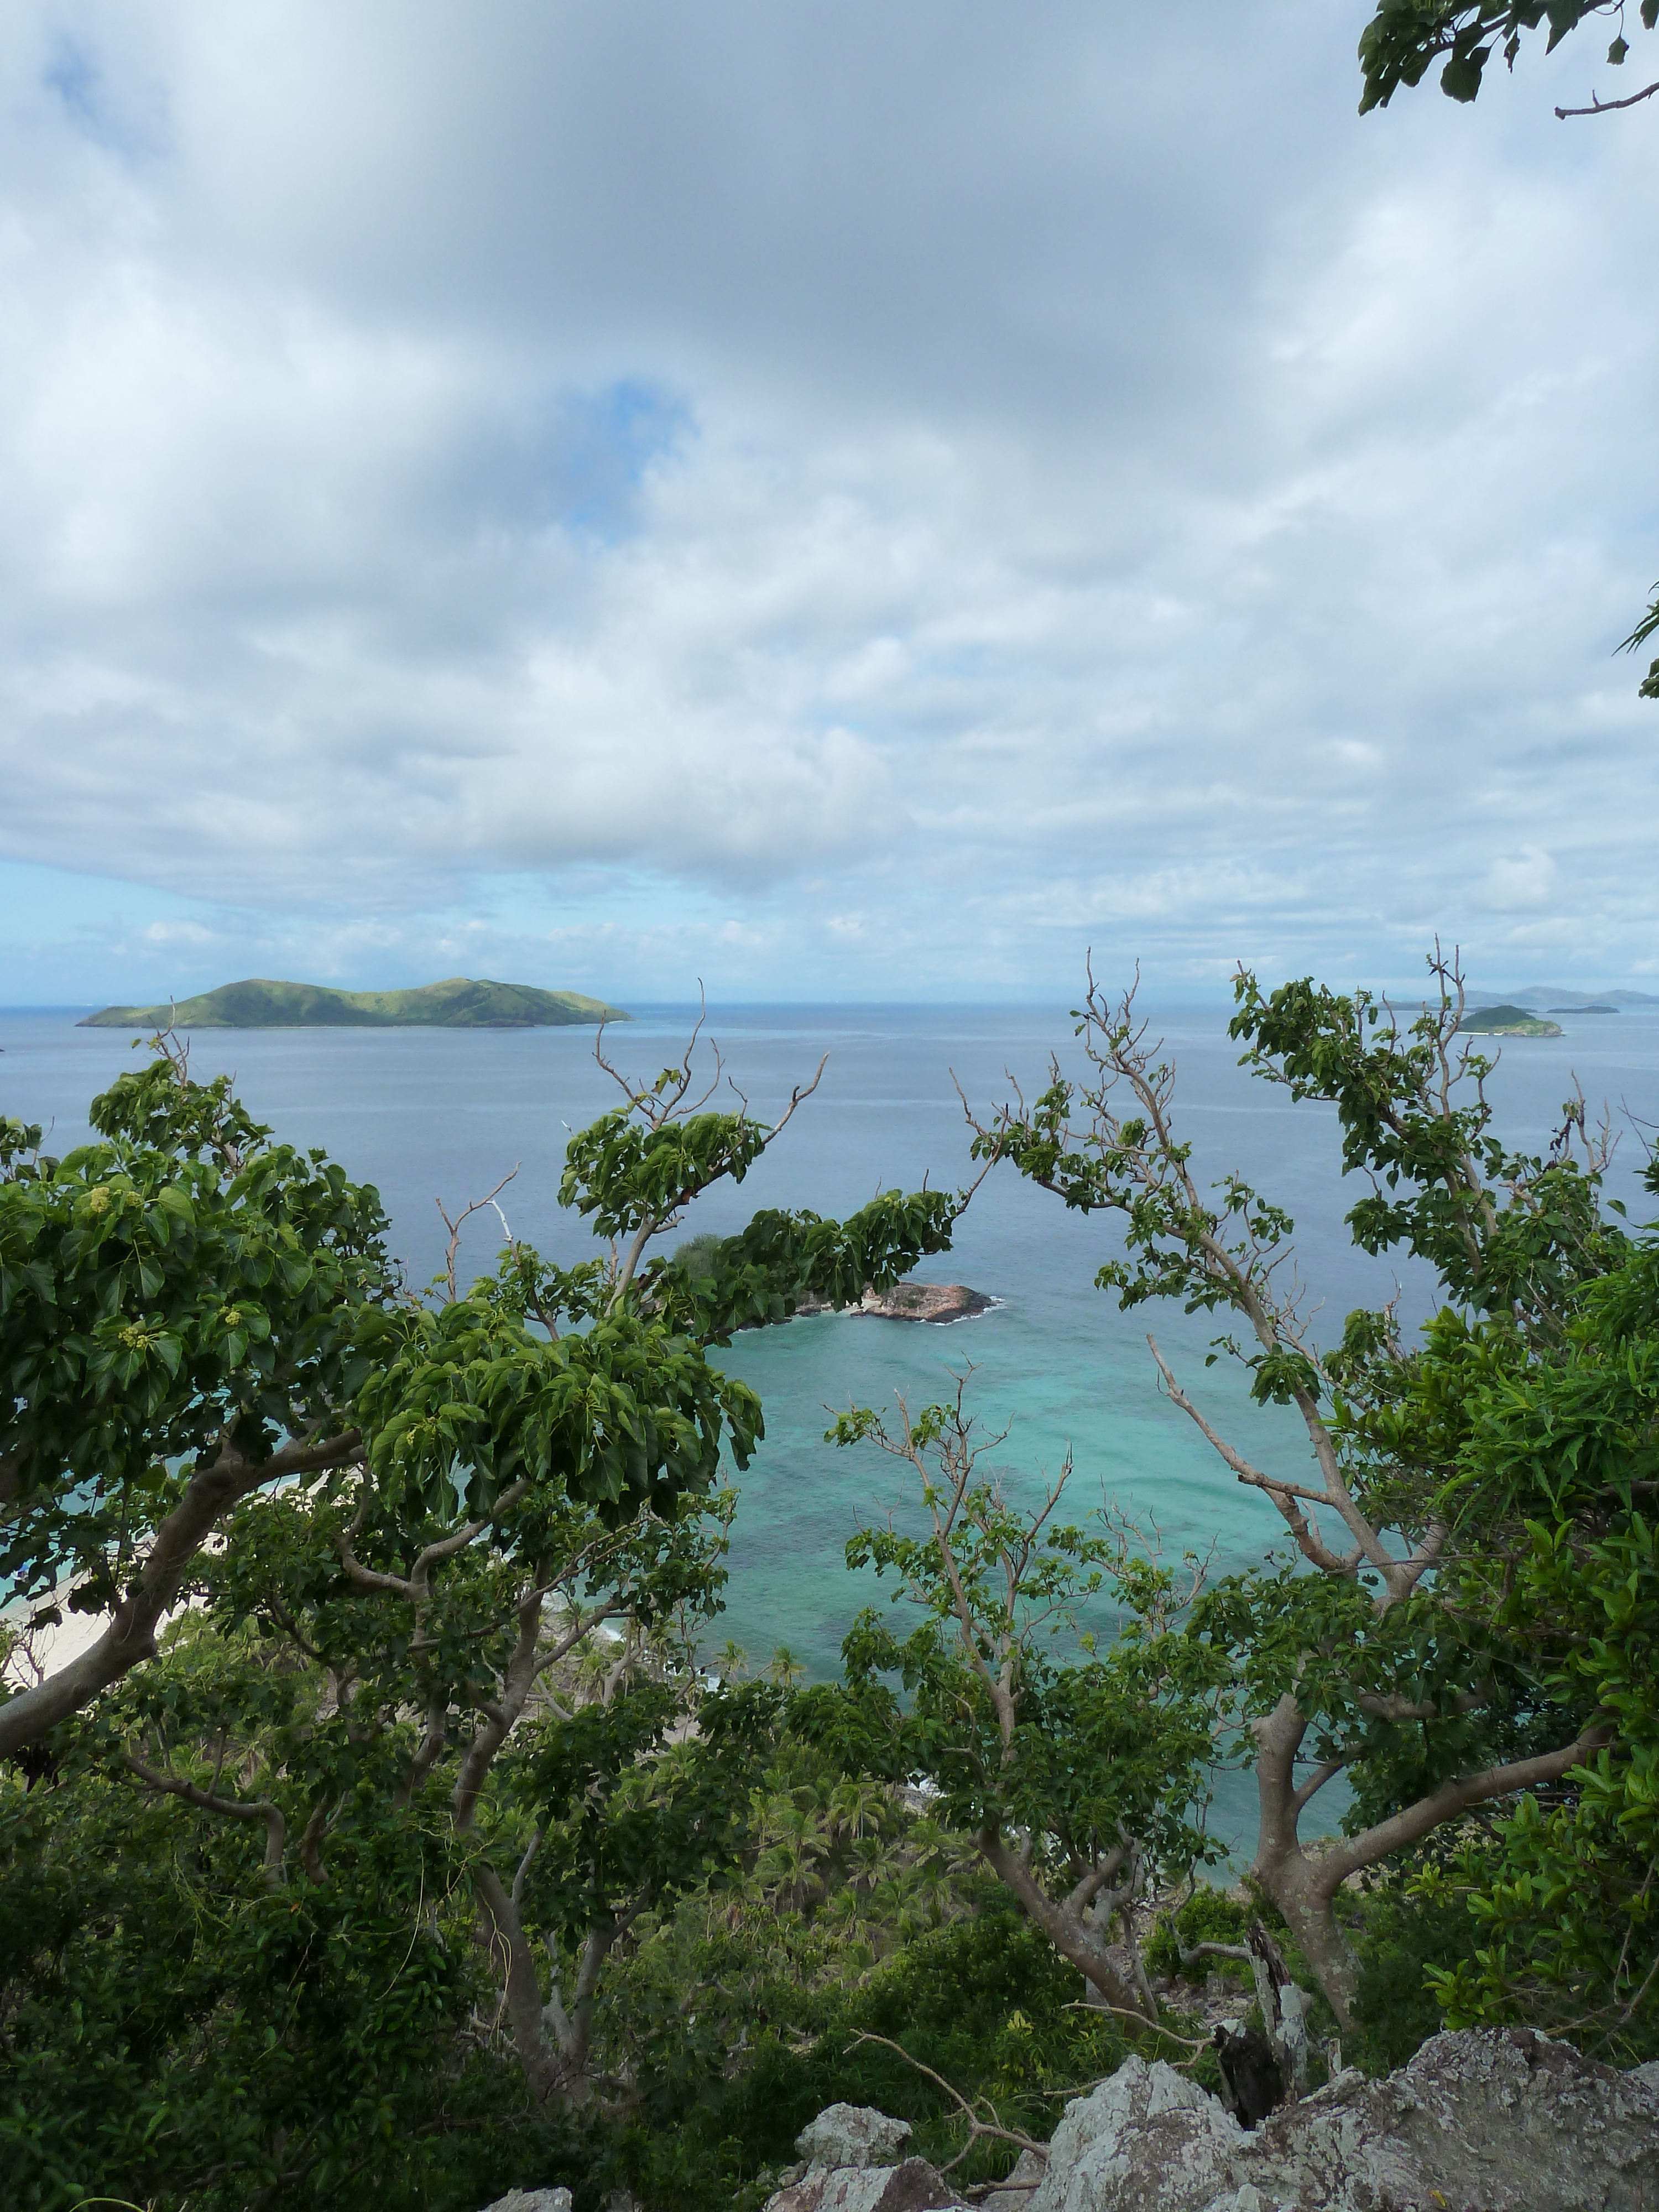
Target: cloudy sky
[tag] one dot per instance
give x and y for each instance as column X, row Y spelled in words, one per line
column 843, row 500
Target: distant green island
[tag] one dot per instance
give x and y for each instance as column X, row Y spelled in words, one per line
column 1581, row 1010
column 458, row 1003
column 1507, row 1021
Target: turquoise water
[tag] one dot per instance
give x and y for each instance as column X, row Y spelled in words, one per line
column 443, row 1114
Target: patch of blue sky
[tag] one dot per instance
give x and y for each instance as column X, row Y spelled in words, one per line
column 94, row 105
column 63, row 936
column 76, row 78
column 73, row 940
column 592, row 450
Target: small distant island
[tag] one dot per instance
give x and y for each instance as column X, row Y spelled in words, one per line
column 1581, row 1010
column 457, row 1003
column 908, row 1300
column 1507, row 1021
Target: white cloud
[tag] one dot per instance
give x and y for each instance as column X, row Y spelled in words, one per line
column 1521, row 880
column 861, row 501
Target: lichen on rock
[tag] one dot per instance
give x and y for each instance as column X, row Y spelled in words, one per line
column 1483, row 2121
column 852, row 2135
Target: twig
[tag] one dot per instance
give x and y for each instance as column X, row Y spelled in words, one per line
column 461, row 1219
column 976, row 2127
column 1141, row 2021
column 1607, row 106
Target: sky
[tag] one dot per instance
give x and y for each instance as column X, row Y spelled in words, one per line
column 838, row 500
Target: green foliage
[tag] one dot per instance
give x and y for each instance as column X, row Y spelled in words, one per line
column 1405, row 1938
column 1204, row 1916
column 1476, row 1502
column 780, row 1259
column 1505, row 1232
column 1506, row 1021
column 386, row 1810
column 173, row 2027
column 1562, row 1892
column 982, row 2001
column 1649, row 625
column 695, row 1255
column 184, row 1280
column 425, row 1859
column 1405, row 38
column 1560, row 1903
column 177, row 2021
column 623, row 1416
column 455, row 1003
column 1011, row 1708
column 189, row 1294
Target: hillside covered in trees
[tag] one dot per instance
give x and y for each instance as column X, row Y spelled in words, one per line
column 457, row 1003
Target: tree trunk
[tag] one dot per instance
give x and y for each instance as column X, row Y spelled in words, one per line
column 1069, row 1932
column 1304, row 1884
column 545, row 2071
column 129, row 1639
column 1297, row 1890
column 1295, row 1882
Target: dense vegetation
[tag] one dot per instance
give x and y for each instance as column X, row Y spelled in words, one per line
column 458, row 1003
column 435, row 1845
column 1507, row 1021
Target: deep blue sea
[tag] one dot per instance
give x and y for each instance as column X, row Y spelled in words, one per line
column 430, row 1115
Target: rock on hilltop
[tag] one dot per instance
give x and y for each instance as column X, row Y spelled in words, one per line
column 1479, row 2121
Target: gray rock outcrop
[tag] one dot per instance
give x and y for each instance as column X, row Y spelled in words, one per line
column 1481, row 2121
column 852, row 2135
column 1015, row 2193
column 532, row 2200
column 912, row 2187
column 908, row 1301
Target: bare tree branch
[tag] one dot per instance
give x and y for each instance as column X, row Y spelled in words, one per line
column 416, row 1584
column 311, row 1857
column 976, row 2127
column 461, row 1219
column 1608, row 106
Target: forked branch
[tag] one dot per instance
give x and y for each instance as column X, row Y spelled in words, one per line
column 460, row 1220
column 223, row 1808
column 992, row 2128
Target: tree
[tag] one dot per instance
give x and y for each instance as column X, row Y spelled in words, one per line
column 1564, row 1453
column 1371, row 1665
column 1074, row 1780
column 179, row 2028
column 539, row 1767
column 1405, row 38
column 194, row 1314
column 178, row 1311
column 412, row 1636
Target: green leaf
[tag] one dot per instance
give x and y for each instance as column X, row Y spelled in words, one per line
column 1460, row 78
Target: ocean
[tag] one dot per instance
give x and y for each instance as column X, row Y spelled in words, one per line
column 442, row 1114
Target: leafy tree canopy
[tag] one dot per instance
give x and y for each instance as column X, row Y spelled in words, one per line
column 1405, row 38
